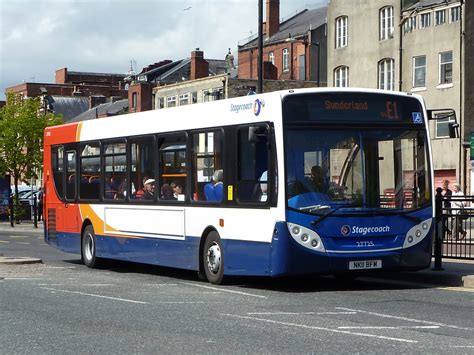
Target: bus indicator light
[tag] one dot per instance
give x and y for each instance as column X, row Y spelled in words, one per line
column 221, row 222
column 230, row 193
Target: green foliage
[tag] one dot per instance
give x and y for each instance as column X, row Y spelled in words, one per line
column 22, row 127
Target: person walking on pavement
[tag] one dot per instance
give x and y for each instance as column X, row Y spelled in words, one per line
column 458, row 206
column 447, row 193
column 40, row 203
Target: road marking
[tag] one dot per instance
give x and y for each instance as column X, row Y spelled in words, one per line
column 19, row 236
column 399, row 327
column 4, row 241
column 462, row 289
column 304, row 326
column 404, row 318
column 98, row 285
column 225, row 290
column 297, row 313
column 94, row 295
column 22, row 243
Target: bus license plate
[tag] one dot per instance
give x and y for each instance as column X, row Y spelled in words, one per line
column 365, row 264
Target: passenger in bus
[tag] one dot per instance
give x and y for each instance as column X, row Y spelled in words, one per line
column 317, row 179
column 177, row 191
column 139, row 194
column 149, row 189
column 214, row 190
column 167, row 192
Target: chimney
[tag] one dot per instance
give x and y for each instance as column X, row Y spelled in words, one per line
column 199, row 66
column 272, row 23
column 61, row 76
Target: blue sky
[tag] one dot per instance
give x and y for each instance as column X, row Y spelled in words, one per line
column 39, row 36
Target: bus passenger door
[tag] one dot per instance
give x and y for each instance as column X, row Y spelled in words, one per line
column 68, row 213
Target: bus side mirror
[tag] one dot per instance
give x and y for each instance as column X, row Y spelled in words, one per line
column 453, row 128
column 450, row 115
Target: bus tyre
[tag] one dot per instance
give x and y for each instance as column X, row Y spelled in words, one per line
column 88, row 247
column 213, row 258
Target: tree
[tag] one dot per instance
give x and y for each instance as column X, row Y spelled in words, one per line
column 22, row 124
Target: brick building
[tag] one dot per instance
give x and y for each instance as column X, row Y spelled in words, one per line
column 296, row 46
column 75, row 92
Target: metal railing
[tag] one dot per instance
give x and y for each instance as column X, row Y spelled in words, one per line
column 454, row 237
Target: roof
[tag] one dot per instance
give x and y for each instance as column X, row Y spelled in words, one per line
column 105, row 109
column 421, row 4
column 68, row 106
column 295, row 26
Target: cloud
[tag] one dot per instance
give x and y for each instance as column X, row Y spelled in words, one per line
column 39, row 36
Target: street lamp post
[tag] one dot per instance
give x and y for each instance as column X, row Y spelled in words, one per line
column 260, row 46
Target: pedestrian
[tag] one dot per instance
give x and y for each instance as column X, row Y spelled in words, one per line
column 458, row 207
column 40, row 203
column 447, row 193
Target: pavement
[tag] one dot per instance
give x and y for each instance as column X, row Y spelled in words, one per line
column 454, row 273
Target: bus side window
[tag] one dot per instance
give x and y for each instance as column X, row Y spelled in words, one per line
column 253, row 163
column 71, row 175
column 142, row 166
column 89, row 179
column 57, row 157
column 172, row 167
column 206, row 163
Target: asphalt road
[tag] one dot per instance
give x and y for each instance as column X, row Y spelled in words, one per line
column 61, row 306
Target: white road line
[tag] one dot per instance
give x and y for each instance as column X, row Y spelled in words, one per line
column 4, row 241
column 400, row 327
column 22, row 243
column 404, row 318
column 93, row 295
column 462, row 289
column 19, row 236
column 304, row 326
column 297, row 313
column 225, row 290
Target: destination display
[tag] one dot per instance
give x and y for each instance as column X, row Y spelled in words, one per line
column 352, row 107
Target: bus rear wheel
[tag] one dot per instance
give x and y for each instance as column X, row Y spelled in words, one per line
column 88, row 247
column 213, row 258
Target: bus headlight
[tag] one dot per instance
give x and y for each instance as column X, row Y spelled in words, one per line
column 306, row 237
column 417, row 233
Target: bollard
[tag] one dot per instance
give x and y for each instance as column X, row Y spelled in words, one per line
column 10, row 203
column 439, row 229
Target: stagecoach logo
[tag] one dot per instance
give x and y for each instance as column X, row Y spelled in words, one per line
column 256, row 106
column 355, row 230
column 345, row 230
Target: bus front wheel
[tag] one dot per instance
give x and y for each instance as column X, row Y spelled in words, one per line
column 213, row 258
column 88, row 247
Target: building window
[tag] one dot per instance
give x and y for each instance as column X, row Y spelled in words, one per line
column 425, row 20
column 271, row 58
column 341, row 32
column 410, row 24
column 455, row 13
column 286, row 59
column 161, row 103
column 205, row 96
column 183, row 99
column 419, row 71
column 171, row 101
column 134, row 101
column 446, row 67
column 440, row 17
column 386, row 23
column 386, row 74
column 442, row 126
column 341, row 77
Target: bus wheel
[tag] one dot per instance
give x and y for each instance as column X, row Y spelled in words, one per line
column 88, row 247
column 213, row 258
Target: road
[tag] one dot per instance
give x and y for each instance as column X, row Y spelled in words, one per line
column 61, row 306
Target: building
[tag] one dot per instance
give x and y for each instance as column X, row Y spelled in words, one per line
column 142, row 90
column 74, row 92
column 296, row 46
column 203, row 87
column 411, row 46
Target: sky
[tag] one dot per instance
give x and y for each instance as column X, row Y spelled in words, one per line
column 37, row 37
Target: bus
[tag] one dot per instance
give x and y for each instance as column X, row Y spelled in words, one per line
column 304, row 181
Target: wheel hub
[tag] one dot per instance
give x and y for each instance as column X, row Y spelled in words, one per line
column 214, row 258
